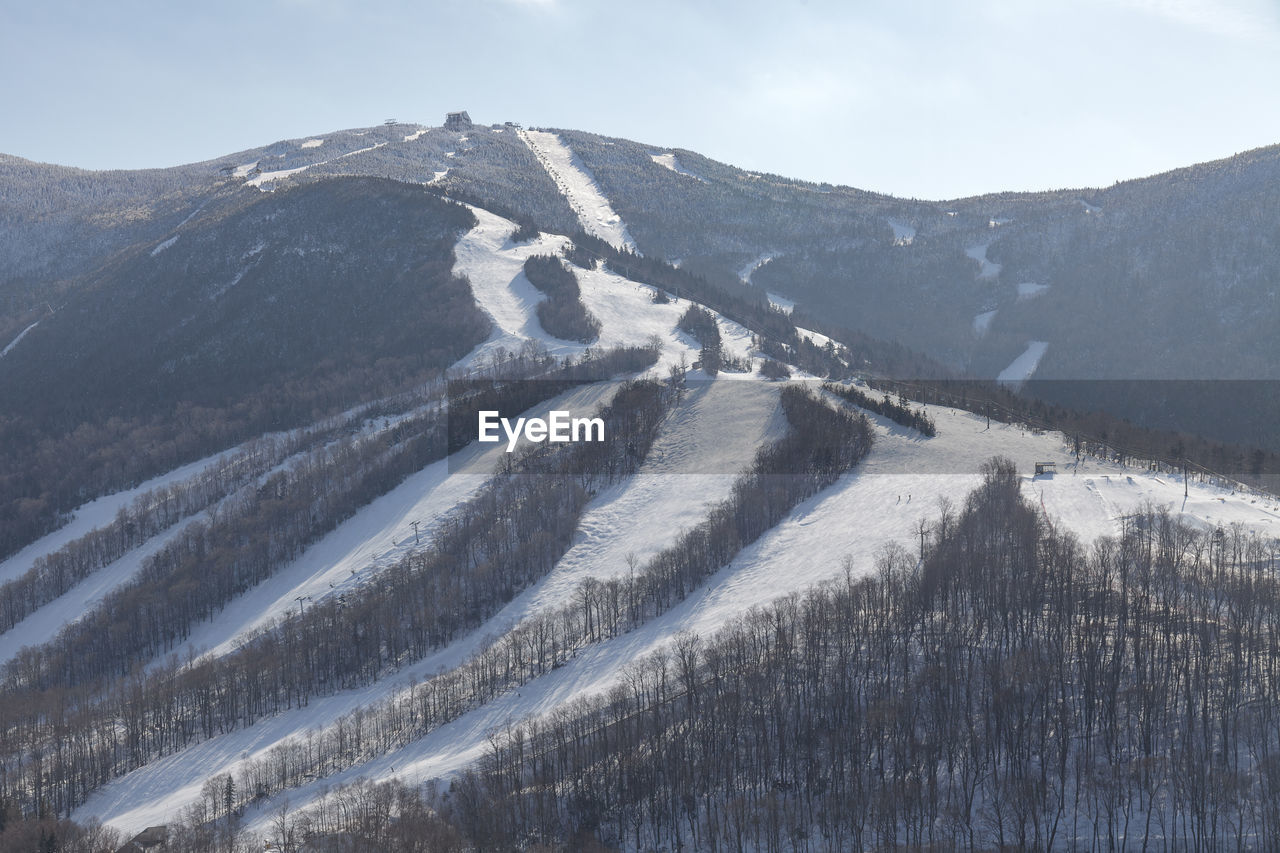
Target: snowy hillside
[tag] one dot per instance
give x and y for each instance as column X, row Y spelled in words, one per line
column 205, row 624
column 705, row 443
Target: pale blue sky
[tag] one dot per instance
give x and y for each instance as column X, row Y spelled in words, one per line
column 915, row 97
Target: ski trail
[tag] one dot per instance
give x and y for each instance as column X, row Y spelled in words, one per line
column 13, row 343
column 575, row 181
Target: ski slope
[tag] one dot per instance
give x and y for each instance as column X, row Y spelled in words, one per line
column 708, row 439
column 879, row 504
column 627, row 313
column 670, row 161
column 1024, row 366
column 575, row 181
column 987, row 269
column 982, row 322
column 903, row 234
column 713, row 434
column 749, row 269
column 900, row 484
column 13, row 343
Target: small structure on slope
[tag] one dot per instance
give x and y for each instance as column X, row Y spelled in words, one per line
column 153, row 838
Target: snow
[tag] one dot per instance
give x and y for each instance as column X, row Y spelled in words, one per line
column 46, row 622
column 495, row 268
column 712, row 435
column 750, row 269
column 94, row 514
column 903, row 233
column 373, row 147
column 986, row 269
column 267, row 177
column 813, row 337
column 982, row 322
column 575, row 181
column 416, row 134
column 438, row 176
column 312, row 143
column 375, row 538
column 243, row 171
column 160, row 247
column 699, row 450
column 1030, row 290
column 1089, row 208
column 669, row 161
column 786, row 306
column 996, row 222
column 882, row 500
column 13, row 343
column 897, row 486
column 261, row 180
column 1024, row 366
column 234, row 281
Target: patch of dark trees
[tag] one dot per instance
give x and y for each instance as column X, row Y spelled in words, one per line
column 48, row 834
column 899, row 411
column 480, row 557
column 562, row 313
column 700, row 324
column 1098, row 433
column 211, row 562
column 149, row 514
column 1003, row 687
column 821, row 444
column 284, row 308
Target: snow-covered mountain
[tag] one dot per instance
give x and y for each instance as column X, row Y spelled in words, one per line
column 299, row 332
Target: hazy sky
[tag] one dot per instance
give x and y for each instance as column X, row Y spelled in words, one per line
column 928, row 99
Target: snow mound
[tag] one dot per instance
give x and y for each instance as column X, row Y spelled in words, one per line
column 312, row 143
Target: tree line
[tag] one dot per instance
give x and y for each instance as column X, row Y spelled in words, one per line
column 481, row 556
column 821, row 444
column 1005, row 688
column 562, row 313
column 900, row 412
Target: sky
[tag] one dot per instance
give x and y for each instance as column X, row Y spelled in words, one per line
column 921, row 98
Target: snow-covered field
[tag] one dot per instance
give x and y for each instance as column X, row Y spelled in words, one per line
column 594, row 211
